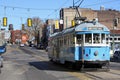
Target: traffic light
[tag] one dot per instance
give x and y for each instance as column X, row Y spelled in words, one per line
column 23, row 26
column 10, row 27
column 73, row 23
column 56, row 24
column 29, row 22
column 4, row 21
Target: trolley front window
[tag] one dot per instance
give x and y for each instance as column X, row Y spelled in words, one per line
column 96, row 38
column 100, row 38
column 93, row 38
column 103, row 39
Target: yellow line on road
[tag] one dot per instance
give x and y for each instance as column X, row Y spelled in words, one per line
column 79, row 75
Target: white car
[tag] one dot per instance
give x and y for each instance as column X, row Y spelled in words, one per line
column 22, row 45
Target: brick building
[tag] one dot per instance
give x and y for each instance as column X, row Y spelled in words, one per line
column 15, row 35
column 68, row 14
column 52, row 27
column 105, row 17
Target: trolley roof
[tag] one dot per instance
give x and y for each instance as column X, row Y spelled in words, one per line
column 84, row 27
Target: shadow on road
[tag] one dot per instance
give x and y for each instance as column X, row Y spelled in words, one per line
column 46, row 65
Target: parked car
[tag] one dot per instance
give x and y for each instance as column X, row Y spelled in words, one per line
column 40, row 46
column 2, row 50
column 31, row 44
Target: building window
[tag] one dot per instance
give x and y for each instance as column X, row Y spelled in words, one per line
column 118, row 38
column 115, row 38
column 111, row 39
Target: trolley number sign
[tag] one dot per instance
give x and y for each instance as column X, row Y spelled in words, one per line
column 95, row 28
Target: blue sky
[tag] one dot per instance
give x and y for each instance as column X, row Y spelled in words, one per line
column 17, row 11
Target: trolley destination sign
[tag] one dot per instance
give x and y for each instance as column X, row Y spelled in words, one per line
column 95, row 28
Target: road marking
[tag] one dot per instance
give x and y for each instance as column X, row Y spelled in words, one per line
column 79, row 75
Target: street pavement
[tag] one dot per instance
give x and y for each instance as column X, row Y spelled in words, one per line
column 20, row 65
column 17, row 67
column 29, row 63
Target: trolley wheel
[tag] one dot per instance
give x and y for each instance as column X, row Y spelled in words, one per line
column 78, row 66
column 82, row 67
column 99, row 66
column 50, row 59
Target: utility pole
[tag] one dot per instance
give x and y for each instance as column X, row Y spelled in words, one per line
column 113, row 43
column 115, row 24
column 73, row 4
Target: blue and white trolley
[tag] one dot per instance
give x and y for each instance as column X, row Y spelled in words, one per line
column 82, row 45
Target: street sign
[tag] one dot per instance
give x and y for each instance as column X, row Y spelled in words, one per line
column 7, row 35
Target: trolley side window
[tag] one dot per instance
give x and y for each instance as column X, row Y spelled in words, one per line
column 65, row 40
column 88, row 38
column 79, row 39
column 73, row 39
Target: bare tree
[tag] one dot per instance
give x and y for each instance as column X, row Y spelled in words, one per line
column 36, row 29
column 37, row 24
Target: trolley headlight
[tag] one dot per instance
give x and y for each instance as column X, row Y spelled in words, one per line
column 103, row 54
column 95, row 53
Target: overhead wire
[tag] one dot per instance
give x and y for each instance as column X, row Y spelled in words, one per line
column 76, row 2
column 57, row 9
column 54, row 10
column 105, row 2
column 76, row 7
column 80, row 3
column 26, row 8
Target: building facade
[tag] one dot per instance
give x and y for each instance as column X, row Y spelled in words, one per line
column 68, row 14
column 105, row 17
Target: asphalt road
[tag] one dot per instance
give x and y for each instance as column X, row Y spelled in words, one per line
column 20, row 65
column 28, row 63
